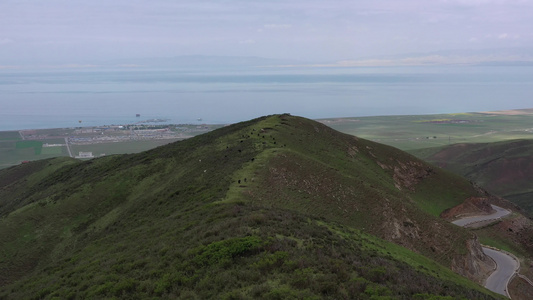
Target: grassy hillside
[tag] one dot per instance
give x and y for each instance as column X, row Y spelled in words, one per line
column 279, row 207
column 503, row 168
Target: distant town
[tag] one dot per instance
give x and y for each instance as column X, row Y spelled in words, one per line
column 116, row 133
column 89, row 142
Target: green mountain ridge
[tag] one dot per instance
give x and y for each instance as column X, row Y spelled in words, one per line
column 276, row 207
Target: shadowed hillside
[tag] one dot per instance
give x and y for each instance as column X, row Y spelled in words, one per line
column 277, row 207
column 503, row 168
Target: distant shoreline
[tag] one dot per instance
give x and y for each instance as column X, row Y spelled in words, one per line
column 405, row 132
column 330, row 120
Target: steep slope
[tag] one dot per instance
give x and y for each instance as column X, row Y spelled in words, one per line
column 503, row 168
column 275, row 207
column 357, row 182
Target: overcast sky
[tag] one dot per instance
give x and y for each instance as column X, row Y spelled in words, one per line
column 71, row 31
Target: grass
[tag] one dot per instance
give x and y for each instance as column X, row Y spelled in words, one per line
column 500, row 237
column 325, row 265
column 36, row 145
column 344, row 188
column 423, row 131
column 9, row 136
column 434, row 195
column 119, row 147
column 13, row 151
column 174, row 222
column 502, row 168
column 496, row 243
column 523, row 200
column 416, row 261
column 57, row 151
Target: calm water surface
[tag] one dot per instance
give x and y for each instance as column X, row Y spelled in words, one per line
column 58, row 98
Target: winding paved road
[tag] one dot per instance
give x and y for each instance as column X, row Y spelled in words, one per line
column 506, row 265
column 500, row 212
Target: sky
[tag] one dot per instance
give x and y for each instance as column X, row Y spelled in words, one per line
column 80, row 32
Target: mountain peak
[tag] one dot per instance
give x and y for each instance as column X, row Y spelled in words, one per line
column 284, row 200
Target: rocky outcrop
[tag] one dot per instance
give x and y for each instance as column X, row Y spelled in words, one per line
column 408, row 174
column 475, row 265
column 518, row 229
column 473, row 206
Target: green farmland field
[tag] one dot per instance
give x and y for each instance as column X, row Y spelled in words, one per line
column 118, row 148
column 36, row 145
column 15, row 151
column 59, row 151
column 9, row 136
column 424, row 131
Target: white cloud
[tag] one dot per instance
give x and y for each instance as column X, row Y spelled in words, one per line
column 315, row 29
column 477, row 2
column 277, row 26
column 247, row 42
column 6, row 41
column 507, row 36
column 9, row 67
column 503, row 36
column 427, row 60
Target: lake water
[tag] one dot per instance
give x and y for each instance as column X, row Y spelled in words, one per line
column 59, row 98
